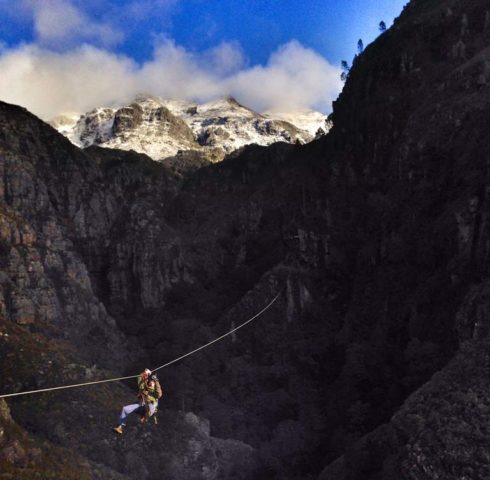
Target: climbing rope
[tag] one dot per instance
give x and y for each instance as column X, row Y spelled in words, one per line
column 202, row 347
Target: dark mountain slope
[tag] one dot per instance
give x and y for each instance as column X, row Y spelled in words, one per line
column 416, row 149
column 376, row 236
column 381, row 230
column 69, row 222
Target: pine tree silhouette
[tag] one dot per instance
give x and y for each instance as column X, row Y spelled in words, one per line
column 360, row 46
column 345, row 70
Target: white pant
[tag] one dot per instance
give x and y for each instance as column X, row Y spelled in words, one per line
column 128, row 409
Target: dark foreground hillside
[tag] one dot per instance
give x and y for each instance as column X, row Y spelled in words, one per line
column 373, row 363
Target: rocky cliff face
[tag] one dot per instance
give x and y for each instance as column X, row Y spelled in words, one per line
column 62, row 209
column 376, row 236
column 418, row 162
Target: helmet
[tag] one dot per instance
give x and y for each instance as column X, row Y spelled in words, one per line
column 154, row 377
column 147, row 371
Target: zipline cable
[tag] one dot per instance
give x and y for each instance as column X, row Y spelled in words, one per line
column 154, row 370
column 222, row 336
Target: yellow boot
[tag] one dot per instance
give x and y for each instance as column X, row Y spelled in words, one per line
column 119, row 429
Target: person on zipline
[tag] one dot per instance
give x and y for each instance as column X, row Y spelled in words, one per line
column 146, row 408
column 143, row 380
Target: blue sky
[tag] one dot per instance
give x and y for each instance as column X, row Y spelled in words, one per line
column 239, row 45
column 331, row 27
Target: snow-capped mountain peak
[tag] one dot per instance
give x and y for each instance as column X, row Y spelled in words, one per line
column 162, row 127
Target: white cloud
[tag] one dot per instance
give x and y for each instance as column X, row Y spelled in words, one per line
column 294, row 77
column 226, row 58
column 49, row 83
column 61, row 24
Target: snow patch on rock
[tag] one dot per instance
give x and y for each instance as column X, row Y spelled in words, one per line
column 161, row 127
